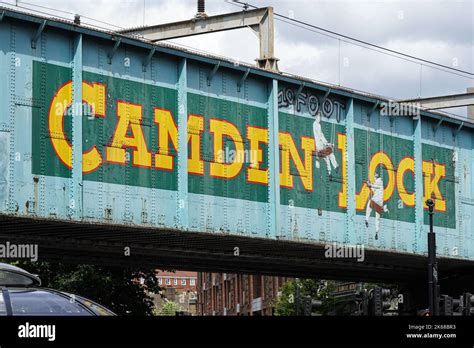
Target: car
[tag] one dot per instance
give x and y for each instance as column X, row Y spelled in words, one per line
column 21, row 294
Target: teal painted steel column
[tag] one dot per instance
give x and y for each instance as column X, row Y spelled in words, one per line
column 350, row 233
column 12, row 204
column 75, row 183
column 182, row 207
column 419, row 204
column 273, row 163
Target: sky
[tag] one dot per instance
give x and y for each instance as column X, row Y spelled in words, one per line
column 435, row 30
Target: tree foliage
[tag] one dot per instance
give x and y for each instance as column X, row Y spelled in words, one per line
column 169, row 309
column 317, row 290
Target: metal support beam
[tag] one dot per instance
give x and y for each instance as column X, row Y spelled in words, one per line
column 2, row 14
column 349, row 179
column 419, row 202
column 75, row 182
column 242, row 80
column 37, row 34
column 273, row 162
column 111, row 54
column 148, row 58
column 182, row 146
column 266, row 30
column 260, row 20
column 212, row 73
column 444, row 102
column 470, row 108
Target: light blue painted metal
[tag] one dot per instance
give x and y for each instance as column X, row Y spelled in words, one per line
column 273, row 161
column 417, row 154
column 4, row 120
column 13, row 204
column 75, row 187
column 182, row 207
column 350, row 234
column 147, row 61
column 242, row 81
column 213, row 72
column 184, row 75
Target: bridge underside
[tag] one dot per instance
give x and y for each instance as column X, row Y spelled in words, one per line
column 172, row 249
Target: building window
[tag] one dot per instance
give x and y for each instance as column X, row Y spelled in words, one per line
column 183, row 281
column 192, row 282
column 168, row 282
column 175, row 281
column 160, row 281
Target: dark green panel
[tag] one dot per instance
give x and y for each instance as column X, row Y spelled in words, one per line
column 324, row 187
column 116, row 89
column 447, row 185
column 241, row 117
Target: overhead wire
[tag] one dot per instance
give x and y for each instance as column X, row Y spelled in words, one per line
column 357, row 42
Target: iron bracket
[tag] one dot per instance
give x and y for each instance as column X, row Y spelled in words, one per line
column 298, row 92
column 373, row 109
column 212, row 73
column 147, row 60
column 111, row 54
column 37, row 34
column 242, row 80
column 455, row 133
column 326, row 95
column 435, row 128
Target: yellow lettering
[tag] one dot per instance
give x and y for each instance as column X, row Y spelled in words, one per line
column 195, row 128
column 167, row 130
column 305, row 171
column 129, row 118
column 433, row 172
column 405, row 165
column 218, row 168
column 93, row 95
column 256, row 136
column 341, row 145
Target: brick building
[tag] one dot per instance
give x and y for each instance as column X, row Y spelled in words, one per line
column 179, row 287
column 237, row 294
column 179, row 280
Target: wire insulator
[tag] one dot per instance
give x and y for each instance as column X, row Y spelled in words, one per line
column 201, row 5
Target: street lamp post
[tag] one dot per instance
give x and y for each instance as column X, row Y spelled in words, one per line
column 297, row 296
column 433, row 293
